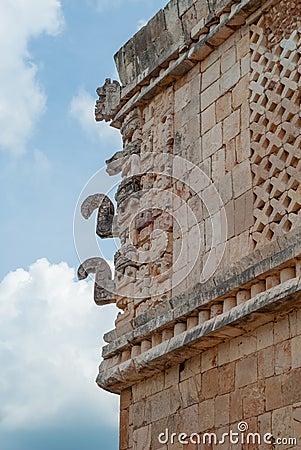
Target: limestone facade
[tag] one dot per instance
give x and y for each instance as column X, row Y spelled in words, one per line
column 208, row 215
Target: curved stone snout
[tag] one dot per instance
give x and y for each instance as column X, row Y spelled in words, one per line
column 106, row 213
column 104, row 287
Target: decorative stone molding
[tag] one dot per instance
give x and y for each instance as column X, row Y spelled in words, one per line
column 116, row 375
column 275, row 126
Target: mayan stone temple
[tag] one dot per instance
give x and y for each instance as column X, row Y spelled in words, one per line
column 206, row 350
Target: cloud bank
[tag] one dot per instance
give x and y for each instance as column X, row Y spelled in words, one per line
column 22, row 99
column 50, row 343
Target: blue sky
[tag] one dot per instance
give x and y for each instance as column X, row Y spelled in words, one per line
column 54, row 54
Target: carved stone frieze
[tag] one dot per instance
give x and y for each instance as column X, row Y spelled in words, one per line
column 116, row 162
column 128, row 187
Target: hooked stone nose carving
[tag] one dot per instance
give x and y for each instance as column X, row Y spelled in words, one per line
column 104, row 286
column 106, row 213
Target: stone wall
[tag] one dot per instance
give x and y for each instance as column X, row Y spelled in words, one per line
column 208, row 215
column 250, row 378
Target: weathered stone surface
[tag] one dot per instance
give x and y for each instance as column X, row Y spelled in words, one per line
column 207, row 336
column 106, row 212
column 104, row 288
column 109, row 100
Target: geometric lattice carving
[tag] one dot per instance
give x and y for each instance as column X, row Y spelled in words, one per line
column 275, row 132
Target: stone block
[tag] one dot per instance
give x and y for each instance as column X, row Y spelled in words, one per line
column 296, row 352
column 248, row 343
column 160, row 405
column 225, row 189
column 206, row 414
column 243, row 296
column 190, row 418
column 241, row 92
column 142, row 438
column 266, row 363
column 216, row 310
column 236, row 405
column 204, row 315
column 189, row 392
column 282, row 422
column 243, row 46
column 223, row 107
column 125, row 398
column 222, row 410
column 223, row 353
column 246, row 371
column 179, row 328
column 156, row 339
column 192, row 368
column 253, row 400
column 228, row 304
column 243, row 210
column 210, row 95
column 245, row 65
column 124, row 430
column 283, row 358
column 138, row 412
column 228, row 59
column 243, row 149
column 145, row 345
column 172, row 376
column 242, row 178
column 210, row 384
column 208, row 118
column 265, row 426
column 230, row 78
column 230, row 155
column 281, row 330
column 291, row 386
column 265, row 336
column 297, row 421
column 229, row 208
column 234, row 352
column 245, row 115
column 231, row 126
column 167, row 334
column 211, row 75
column 272, row 281
column 287, row 274
column 209, row 60
column 226, row 378
column 273, row 386
column 218, row 165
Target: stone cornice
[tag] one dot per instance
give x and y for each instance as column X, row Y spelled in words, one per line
column 257, row 311
column 251, row 267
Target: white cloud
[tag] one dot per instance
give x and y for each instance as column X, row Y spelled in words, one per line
column 141, row 23
column 49, row 347
column 82, row 109
column 40, row 163
column 103, row 4
column 22, row 100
